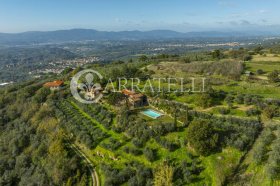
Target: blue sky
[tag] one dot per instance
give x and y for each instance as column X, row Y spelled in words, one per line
column 116, row 15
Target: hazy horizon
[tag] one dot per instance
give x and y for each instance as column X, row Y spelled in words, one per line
column 132, row 30
column 182, row 16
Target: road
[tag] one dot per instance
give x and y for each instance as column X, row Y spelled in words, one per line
column 94, row 175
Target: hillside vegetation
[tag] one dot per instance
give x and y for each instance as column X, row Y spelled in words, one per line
column 227, row 135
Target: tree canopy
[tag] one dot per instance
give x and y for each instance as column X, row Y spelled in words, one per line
column 202, row 137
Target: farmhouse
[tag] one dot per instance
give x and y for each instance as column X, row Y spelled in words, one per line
column 135, row 99
column 54, row 85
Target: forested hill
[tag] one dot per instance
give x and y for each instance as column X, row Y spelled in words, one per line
column 31, row 55
column 28, row 38
column 33, row 148
column 20, row 63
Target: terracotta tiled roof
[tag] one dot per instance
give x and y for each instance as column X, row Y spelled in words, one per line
column 54, row 84
column 132, row 95
column 128, row 92
column 137, row 95
column 135, row 99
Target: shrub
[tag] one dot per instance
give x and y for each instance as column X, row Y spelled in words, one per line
column 132, row 150
column 269, row 112
column 217, row 54
column 138, row 142
column 151, row 154
column 204, row 100
column 259, row 154
column 247, row 99
column 202, row 137
column 247, row 57
column 260, row 71
column 252, row 112
column 224, row 111
column 273, row 167
column 229, row 100
column 115, row 97
column 113, row 144
column 239, row 99
column 170, row 145
column 163, row 175
column 273, row 76
column 265, row 139
column 186, row 60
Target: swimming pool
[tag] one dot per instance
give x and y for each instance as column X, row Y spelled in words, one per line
column 151, row 113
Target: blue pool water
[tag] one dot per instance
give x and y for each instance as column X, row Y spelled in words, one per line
column 151, row 113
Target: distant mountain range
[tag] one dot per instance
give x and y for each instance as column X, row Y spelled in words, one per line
column 60, row 36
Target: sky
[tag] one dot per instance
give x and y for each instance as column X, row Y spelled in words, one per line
column 119, row 15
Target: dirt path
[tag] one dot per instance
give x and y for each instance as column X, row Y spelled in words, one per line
column 94, row 175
